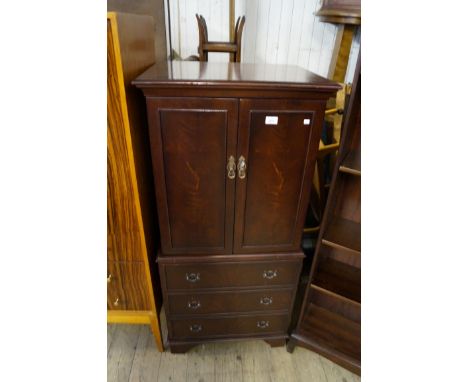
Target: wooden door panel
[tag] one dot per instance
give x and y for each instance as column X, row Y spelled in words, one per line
column 191, row 141
column 271, row 201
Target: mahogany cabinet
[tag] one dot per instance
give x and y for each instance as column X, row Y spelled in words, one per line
column 233, row 149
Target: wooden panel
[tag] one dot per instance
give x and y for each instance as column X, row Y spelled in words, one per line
column 153, row 8
column 231, row 275
column 271, row 201
column 339, row 278
column 228, row 327
column 347, row 203
column 345, row 308
column 230, row 302
column 343, row 233
column 191, row 142
column 132, row 230
column 332, row 331
column 127, row 283
column 123, row 225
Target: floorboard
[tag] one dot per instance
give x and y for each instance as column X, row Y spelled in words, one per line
column 132, row 356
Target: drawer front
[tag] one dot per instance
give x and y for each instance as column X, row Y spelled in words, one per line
column 228, row 327
column 230, row 275
column 127, row 288
column 230, row 302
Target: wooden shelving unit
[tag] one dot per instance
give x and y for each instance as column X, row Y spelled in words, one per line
column 330, row 318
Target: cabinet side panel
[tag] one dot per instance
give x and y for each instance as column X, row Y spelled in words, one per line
column 122, row 223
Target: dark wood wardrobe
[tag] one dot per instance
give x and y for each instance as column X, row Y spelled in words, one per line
column 233, row 151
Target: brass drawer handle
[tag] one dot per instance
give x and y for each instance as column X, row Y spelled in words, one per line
column 241, row 167
column 263, row 324
column 231, row 167
column 195, row 328
column 194, row 304
column 270, row 274
column 116, row 302
column 109, row 279
column 192, row 277
column 266, row 300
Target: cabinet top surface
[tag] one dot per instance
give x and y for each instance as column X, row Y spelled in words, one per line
column 233, row 75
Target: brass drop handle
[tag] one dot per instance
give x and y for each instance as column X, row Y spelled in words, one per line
column 266, row 300
column 116, row 302
column 109, row 278
column 263, row 324
column 231, row 167
column 194, row 304
column 192, row 277
column 270, row 274
column 241, row 167
column 195, row 328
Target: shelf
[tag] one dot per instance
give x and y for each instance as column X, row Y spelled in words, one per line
column 352, row 163
column 331, row 333
column 343, row 234
column 339, row 278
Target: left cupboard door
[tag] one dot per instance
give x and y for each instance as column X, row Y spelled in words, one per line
column 192, row 142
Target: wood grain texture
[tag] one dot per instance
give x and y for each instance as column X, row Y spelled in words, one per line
column 231, row 76
column 231, row 275
column 127, row 284
column 191, row 141
column 132, row 230
column 248, row 361
column 230, row 302
column 271, row 201
column 153, row 8
column 123, row 227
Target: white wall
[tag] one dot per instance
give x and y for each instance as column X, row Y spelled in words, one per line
column 276, row 32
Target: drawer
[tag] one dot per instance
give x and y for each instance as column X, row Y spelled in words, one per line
column 230, row 302
column 228, row 327
column 127, row 287
column 231, row 275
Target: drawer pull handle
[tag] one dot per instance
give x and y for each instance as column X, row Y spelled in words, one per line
column 192, row 277
column 266, row 300
column 270, row 274
column 241, row 167
column 116, row 302
column 195, row 328
column 263, row 324
column 109, row 279
column 231, row 167
column 194, row 304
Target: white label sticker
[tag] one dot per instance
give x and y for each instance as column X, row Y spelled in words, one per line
column 270, row 120
column 306, row 121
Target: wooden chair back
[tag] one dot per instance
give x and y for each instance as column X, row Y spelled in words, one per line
column 205, row 46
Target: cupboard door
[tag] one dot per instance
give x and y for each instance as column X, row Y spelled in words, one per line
column 191, row 143
column 278, row 140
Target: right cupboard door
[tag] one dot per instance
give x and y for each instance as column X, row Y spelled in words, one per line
column 276, row 150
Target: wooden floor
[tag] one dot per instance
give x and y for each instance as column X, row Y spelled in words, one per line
column 132, row 356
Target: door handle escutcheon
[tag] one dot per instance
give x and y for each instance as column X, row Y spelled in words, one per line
column 241, row 167
column 231, row 167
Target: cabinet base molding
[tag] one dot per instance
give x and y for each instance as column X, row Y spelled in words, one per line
column 138, row 317
column 333, row 355
column 184, row 346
